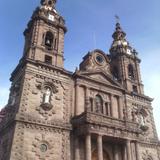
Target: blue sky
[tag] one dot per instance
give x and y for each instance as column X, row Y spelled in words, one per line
column 87, row 19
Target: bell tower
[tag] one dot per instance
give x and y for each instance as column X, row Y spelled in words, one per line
column 36, row 124
column 44, row 35
column 125, row 62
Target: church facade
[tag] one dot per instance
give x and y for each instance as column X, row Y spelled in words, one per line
column 99, row 112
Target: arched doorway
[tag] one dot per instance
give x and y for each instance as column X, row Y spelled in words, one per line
column 95, row 155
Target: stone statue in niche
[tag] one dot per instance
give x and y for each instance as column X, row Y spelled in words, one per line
column 142, row 120
column 133, row 115
column 46, row 103
column 47, row 96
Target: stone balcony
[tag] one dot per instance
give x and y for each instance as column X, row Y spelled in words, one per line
column 90, row 122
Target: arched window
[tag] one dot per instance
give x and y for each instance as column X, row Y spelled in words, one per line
column 108, row 109
column 49, row 39
column 134, row 89
column 91, row 104
column 131, row 71
column 99, row 104
column 115, row 73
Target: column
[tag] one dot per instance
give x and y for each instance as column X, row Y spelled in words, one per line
column 104, row 108
column 76, row 100
column 128, row 150
column 120, row 107
column 87, row 102
column 112, row 107
column 116, row 152
column 100, row 147
column 124, row 152
column 137, row 151
column 77, row 154
column 88, row 147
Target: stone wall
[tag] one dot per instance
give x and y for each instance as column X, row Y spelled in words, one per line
column 34, row 141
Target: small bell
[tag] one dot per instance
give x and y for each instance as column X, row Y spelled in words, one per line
column 48, row 42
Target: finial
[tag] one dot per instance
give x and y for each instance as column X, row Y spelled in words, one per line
column 117, row 18
column 48, row 4
column 76, row 70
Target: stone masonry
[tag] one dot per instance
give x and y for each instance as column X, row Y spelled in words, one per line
column 99, row 112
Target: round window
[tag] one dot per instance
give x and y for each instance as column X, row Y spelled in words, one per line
column 43, row 148
column 99, row 59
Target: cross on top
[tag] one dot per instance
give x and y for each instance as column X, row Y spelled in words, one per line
column 117, row 18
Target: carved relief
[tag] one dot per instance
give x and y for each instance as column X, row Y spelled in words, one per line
column 140, row 115
column 47, row 108
column 45, row 145
column 142, row 119
column 42, row 129
column 147, row 155
column 42, row 147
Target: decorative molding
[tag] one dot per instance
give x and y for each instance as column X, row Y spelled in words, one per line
column 43, row 147
column 147, row 155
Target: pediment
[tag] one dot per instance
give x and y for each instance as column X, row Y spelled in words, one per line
column 102, row 77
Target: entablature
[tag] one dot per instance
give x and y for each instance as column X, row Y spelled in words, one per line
column 99, row 85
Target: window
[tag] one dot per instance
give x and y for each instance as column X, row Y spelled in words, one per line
column 91, row 104
column 115, row 73
column 107, row 107
column 49, row 38
column 134, row 88
column 99, row 104
column 48, row 59
column 130, row 71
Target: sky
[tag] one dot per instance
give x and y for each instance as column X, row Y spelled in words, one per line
column 90, row 25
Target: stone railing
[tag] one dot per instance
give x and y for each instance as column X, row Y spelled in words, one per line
column 105, row 121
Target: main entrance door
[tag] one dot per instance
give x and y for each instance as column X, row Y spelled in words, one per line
column 95, row 155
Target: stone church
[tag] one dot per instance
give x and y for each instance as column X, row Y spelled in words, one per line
column 99, row 112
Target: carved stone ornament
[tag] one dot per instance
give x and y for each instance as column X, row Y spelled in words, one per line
column 46, row 110
column 144, row 128
column 48, row 5
column 147, row 156
column 142, row 119
column 48, row 92
column 47, row 106
column 42, row 147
